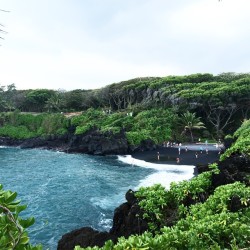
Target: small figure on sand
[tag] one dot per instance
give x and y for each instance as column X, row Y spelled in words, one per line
column 177, row 160
column 201, row 149
column 186, row 148
column 158, row 156
column 206, row 150
column 196, row 155
column 179, row 150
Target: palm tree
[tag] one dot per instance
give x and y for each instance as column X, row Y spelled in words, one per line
column 54, row 103
column 190, row 122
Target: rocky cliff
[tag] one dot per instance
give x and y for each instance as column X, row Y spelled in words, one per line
column 92, row 142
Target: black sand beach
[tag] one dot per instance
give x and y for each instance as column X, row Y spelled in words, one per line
column 187, row 155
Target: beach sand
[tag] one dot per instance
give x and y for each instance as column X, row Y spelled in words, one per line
column 169, row 155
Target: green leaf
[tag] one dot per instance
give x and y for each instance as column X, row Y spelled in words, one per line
column 20, row 208
column 10, row 196
column 27, row 222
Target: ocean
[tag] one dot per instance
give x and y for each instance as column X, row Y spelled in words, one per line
column 69, row 191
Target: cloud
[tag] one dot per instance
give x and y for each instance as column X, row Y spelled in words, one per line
column 89, row 44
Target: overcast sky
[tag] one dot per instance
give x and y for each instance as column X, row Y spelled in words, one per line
column 87, row 44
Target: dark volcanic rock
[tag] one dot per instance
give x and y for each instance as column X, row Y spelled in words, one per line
column 50, row 142
column 125, row 223
column 127, row 218
column 235, row 168
column 146, row 145
column 84, row 237
column 6, row 141
column 232, row 169
column 94, row 142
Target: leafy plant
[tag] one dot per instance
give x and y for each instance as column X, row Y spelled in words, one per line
column 13, row 233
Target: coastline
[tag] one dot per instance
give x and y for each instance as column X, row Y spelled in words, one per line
column 187, row 154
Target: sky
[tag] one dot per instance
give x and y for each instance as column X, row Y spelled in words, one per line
column 88, row 44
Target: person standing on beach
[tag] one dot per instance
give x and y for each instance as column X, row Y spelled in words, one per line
column 179, row 150
column 158, row 156
column 196, row 155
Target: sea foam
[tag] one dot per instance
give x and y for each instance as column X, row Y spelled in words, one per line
column 164, row 173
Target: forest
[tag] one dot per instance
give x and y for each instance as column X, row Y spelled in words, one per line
column 211, row 106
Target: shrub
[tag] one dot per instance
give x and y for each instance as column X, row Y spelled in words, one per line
column 13, row 233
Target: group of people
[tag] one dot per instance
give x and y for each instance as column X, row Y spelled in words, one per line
column 196, row 155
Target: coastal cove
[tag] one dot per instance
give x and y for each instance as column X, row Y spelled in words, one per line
column 68, row 191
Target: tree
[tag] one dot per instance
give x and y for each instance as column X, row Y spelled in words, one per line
column 7, row 95
column 190, row 122
column 36, row 99
column 220, row 116
column 54, row 103
column 74, row 100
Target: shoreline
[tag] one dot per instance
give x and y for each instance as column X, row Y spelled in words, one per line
column 187, row 154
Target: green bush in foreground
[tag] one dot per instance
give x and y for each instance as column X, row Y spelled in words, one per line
column 13, row 234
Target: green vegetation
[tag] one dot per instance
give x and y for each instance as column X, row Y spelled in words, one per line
column 242, row 143
column 155, row 200
column 221, row 101
column 191, row 122
column 213, row 224
column 13, row 234
column 205, row 218
column 23, row 126
column 154, row 124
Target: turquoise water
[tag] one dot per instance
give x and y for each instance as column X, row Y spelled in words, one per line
column 68, row 191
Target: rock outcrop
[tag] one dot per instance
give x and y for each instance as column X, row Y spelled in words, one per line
column 94, row 142
column 231, row 169
column 125, row 222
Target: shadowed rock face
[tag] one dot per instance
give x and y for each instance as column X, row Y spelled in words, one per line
column 84, row 237
column 98, row 143
column 232, row 169
column 92, row 142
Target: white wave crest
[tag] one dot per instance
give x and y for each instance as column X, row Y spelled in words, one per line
column 165, row 173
